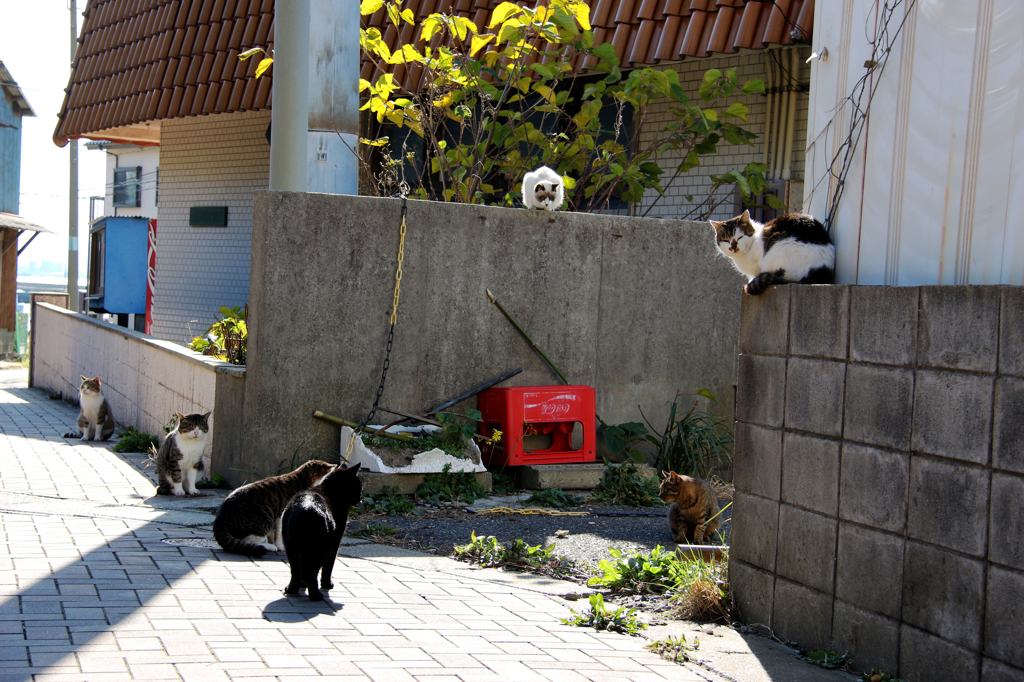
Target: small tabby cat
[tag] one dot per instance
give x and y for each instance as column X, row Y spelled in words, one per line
column 792, row 248
column 542, row 189
column 95, row 420
column 313, row 524
column 692, row 516
column 251, row 515
column 180, row 457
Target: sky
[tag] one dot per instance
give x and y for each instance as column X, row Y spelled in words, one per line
column 35, row 46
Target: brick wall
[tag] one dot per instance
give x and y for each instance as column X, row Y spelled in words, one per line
column 730, row 156
column 206, row 161
column 879, row 471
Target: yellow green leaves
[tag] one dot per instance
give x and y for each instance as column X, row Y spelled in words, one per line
column 250, row 52
column 370, row 6
column 407, row 55
column 502, row 12
column 430, row 26
column 479, row 42
column 737, row 109
column 264, row 65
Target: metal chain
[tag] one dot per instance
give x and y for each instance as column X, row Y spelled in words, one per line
column 391, row 335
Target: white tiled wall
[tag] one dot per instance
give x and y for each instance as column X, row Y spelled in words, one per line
column 697, row 182
column 217, row 160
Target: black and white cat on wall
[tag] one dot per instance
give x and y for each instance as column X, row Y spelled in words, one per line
column 791, row 248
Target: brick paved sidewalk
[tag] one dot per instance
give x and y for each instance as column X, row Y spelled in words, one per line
column 99, row 584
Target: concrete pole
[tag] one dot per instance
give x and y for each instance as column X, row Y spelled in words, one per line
column 290, row 110
column 73, row 188
column 331, row 164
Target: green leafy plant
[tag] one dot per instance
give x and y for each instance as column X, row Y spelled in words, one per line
column 830, row 660
column 623, row 484
column 449, row 486
column 373, row 531
column 388, row 501
column 623, row 438
column 877, row 675
column 501, row 482
column 701, row 589
column 674, row 648
column 553, row 497
column 501, row 100
column 695, row 444
column 227, row 337
column 490, row 553
column 133, row 440
column 638, row 572
column 215, row 481
column 620, row 620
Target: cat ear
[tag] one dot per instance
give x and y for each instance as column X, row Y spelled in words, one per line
column 84, row 378
column 179, row 415
column 207, row 415
column 554, row 186
column 716, row 224
column 746, row 216
column 96, row 379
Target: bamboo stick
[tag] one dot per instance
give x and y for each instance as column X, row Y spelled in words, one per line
column 352, row 425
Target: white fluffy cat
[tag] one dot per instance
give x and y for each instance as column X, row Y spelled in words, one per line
column 542, row 189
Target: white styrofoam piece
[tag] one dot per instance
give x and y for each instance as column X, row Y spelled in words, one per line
column 429, row 462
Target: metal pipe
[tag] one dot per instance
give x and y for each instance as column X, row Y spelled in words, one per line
column 34, row 235
column 770, row 77
column 290, row 112
column 780, row 126
column 73, row 187
column 794, row 72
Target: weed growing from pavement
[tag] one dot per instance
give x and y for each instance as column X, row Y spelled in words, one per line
column 877, row 675
column 213, row 482
column 388, row 501
column 553, row 497
column 490, row 553
column 830, row 660
column 133, row 440
column 373, row 531
column 675, row 649
column 623, row 484
column 450, row 486
column 620, row 620
column 699, row 589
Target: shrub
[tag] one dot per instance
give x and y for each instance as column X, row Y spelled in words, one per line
column 553, row 497
column 625, row 485
column 449, row 486
column 388, row 501
column 598, row 617
column 133, row 440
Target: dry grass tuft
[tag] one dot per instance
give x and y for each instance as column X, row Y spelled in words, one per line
column 705, row 594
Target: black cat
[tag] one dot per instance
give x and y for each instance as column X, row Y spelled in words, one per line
column 313, row 524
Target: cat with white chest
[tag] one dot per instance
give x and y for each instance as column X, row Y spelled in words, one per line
column 791, row 248
column 543, row 189
column 180, row 457
column 95, row 420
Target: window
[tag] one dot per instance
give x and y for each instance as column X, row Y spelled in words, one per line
column 126, row 186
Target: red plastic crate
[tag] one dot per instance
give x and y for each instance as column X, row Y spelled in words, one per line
column 519, row 411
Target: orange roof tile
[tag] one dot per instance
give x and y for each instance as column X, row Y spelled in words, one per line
column 146, row 60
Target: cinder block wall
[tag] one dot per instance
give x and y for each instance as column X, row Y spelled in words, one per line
column 880, row 475
column 217, row 160
column 144, row 380
column 637, row 308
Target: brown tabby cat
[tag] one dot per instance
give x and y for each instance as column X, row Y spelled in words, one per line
column 692, row 516
column 251, row 515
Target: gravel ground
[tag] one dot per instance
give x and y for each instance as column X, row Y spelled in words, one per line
column 590, row 536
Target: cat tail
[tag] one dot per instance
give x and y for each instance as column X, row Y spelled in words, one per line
column 759, row 284
column 230, row 543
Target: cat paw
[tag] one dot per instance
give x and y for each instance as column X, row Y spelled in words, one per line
column 327, row 586
column 291, row 591
column 316, row 595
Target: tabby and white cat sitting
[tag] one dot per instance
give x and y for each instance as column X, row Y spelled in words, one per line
column 543, row 189
column 792, row 248
column 250, row 516
column 693, row 512
column 180, row 457
column 95, row 420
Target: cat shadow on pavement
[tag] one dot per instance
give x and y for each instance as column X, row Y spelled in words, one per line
column 298, row 608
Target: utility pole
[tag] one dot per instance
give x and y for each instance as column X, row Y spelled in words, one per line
column 290, row 114
column 73, row 188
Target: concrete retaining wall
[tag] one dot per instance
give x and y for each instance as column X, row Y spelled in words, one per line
column 879, row 475
column 144, row 380
column 637, row 308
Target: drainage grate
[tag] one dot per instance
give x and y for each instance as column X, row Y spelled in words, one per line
column 192, row 542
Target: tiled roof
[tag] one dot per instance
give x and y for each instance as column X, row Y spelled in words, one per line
column 643, row 31
column 142, row 61
column 146, row 60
